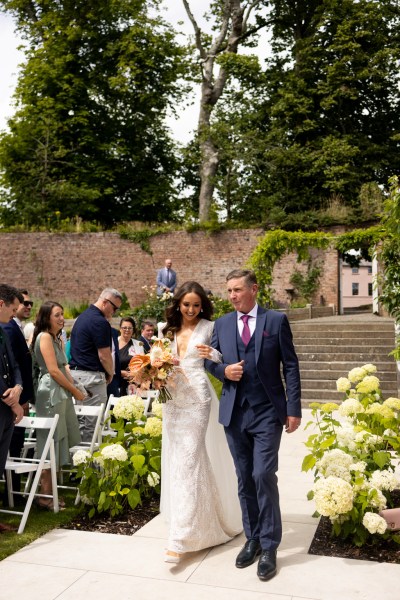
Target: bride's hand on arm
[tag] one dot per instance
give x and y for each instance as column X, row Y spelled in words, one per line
column 208, row 352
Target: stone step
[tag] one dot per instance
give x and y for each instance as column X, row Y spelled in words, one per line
column 354, row 348
column 369, row 356
column 339, row 334
column 343, row 368
column 307, row 337
column 320, row 375
column 336, row 327
column 315, row 395
column 330, row 384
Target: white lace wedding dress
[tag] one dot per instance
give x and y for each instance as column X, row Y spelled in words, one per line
column 198, row 483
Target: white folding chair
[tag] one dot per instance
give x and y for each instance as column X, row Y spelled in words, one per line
column 148, row 397
column 90, row 411
column 47, row 460
column 106, row 429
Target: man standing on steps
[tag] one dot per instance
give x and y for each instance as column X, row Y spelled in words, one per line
column 254, row 408
column 166, row 279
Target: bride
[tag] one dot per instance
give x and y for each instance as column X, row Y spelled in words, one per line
column 198, row 485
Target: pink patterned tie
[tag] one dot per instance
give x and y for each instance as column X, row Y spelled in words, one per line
column 246, row 329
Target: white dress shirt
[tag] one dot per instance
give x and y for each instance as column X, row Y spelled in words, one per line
column 251, row 322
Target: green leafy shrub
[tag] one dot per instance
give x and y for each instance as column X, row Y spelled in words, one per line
column 353, row 458
column 127, row 466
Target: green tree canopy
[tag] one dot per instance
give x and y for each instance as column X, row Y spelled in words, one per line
column 89, row 136
column 321, row 121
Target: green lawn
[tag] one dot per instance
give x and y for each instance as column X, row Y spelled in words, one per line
column 39, row 522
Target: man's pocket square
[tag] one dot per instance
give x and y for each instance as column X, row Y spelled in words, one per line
column 265, row 333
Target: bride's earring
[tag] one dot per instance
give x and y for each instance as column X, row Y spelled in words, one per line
column 201, row 310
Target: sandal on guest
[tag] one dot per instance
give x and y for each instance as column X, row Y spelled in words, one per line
column 172, row 557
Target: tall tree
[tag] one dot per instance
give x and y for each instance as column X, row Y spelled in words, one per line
column 89, row 136
column 322, row 121
column 231, row 29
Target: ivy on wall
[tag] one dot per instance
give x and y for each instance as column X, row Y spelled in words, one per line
column 275, row 244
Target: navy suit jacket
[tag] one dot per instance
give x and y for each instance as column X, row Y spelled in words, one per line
column 23, row 357
column 273, row 347
column 7, row 356
column 145, row 342
column 162, row 280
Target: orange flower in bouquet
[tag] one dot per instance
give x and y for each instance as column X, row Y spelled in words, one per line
column 154, row 369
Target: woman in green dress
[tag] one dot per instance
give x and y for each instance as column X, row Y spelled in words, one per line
column 54, row 390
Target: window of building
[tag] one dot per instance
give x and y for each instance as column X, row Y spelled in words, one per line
column 370, row 289
column 354, row 289
column 370, row 270
column 354, row 270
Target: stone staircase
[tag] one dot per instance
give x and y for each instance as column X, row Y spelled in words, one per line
column 329, row 347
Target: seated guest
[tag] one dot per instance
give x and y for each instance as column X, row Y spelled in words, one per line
column 128, row 347
column 146, row 334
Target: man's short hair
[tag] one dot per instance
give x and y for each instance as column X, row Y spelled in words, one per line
column 148, row 323
column 8, row 293
column 110, row 292
column 250, row 277
column 24, row 292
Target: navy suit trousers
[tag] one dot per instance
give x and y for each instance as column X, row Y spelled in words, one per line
column 254, row 436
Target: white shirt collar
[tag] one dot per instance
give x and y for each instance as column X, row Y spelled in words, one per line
column 252, row 313
column 18, row 322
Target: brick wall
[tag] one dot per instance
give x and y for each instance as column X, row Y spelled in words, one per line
column 76, row 267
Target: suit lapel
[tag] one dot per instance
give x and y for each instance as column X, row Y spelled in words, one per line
column 260, row 326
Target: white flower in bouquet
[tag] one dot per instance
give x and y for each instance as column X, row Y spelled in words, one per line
column 393, row 403
column 156, row 409
column 343, row 384
column 80, row 457
column 380, row 409
column 350, row 406
column 384, row 480
column 114, row 452
column 356, row 374
column 128, row 407
column 390, row 433
column 153, row 427
column 162, row 374
column 374, row 523
column 369, row 384
column 153, row 479
column 333, row 496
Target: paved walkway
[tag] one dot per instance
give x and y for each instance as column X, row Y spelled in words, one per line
column 75, row 565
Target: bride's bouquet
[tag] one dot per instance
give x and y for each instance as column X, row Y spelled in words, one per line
column 154, row 369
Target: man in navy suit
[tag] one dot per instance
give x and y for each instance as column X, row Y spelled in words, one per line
column 254, row 409
column 23, row 357
column 147, row 332
column 166, row 278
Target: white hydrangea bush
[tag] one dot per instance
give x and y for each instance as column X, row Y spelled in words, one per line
column 353, row 455
column 127, row 466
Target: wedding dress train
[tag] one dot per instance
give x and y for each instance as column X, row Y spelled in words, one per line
column 199, row 496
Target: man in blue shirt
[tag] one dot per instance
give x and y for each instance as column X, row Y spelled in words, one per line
column 91, row 361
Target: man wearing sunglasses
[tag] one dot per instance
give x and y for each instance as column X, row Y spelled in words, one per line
column 91, row 361
column 24, row 359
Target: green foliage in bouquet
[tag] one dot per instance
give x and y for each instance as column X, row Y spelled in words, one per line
column 354, row 456
column 127, row 466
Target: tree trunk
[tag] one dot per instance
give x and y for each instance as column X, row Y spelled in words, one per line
column 233, row 29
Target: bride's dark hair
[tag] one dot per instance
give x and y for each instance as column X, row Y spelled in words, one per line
column 173, row 314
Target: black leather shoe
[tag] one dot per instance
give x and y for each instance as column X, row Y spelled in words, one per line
column 248, row 554
column 267, row 565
